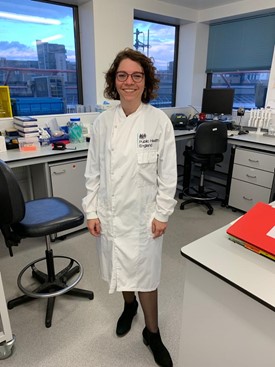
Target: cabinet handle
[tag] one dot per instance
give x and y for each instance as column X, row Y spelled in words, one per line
column 245, row 198
column 247, row 175
column 59, row 172
column 253, row 160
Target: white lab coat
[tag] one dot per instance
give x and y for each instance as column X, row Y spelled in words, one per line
column 131, row 178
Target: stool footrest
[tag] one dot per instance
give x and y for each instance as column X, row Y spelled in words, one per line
column 51, row 284
column 51, row 287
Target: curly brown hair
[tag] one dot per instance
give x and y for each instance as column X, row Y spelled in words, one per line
column 151, row 81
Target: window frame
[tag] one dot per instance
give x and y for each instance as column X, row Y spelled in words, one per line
column 176, row 52
column 77, row 44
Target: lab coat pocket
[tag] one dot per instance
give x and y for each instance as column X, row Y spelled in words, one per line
column 147, row 168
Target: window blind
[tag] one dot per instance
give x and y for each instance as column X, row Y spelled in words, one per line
column 241, row 45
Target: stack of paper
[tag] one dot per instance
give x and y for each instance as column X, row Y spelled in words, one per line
column 255, row 230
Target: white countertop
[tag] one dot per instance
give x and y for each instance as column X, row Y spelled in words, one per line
column 15, row 157
column 254, row 140
column 251, row 273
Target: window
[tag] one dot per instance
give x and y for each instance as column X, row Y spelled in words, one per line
column 250, row 86
column 159, row 42
column 240, row 55
column 39, row 55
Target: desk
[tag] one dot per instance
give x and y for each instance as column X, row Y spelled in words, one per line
column 44, row 177
column 184, row 135
column 253, row 141
column 228, row 314
column 15, row 158
column 243, row 192
column 47, row 156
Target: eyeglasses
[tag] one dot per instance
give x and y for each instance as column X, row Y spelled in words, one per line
column 122, row 76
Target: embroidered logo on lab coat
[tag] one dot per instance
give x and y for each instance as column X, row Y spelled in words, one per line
column 145, row 142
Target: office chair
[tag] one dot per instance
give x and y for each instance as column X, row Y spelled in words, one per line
column 210, row 143
column 38, row 218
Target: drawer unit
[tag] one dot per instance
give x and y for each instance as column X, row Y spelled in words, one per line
column 254, row 159
column 252, row 178
column 244, row 195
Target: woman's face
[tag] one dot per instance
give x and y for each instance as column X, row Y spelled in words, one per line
column 130, row 90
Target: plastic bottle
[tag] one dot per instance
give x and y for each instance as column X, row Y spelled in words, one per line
column 75, row 130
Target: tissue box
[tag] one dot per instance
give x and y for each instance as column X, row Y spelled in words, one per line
column 30, row 144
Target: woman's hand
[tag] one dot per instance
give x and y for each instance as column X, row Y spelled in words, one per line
column 94, row 227
column 158, row 228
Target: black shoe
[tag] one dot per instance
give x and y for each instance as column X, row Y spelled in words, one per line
column 160, row 353
column 125, row 321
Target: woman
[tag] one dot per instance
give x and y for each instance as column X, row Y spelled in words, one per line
column 131, row 180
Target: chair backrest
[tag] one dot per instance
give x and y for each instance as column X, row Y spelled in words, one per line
column 211, row 138
column 12, row 203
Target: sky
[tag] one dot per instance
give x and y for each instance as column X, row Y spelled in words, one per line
column 22, row 22
column 33, row 19
column 161, row 41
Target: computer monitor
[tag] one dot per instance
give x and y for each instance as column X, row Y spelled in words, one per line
column 217, row 101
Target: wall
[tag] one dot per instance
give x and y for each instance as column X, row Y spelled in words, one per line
column 192, row 64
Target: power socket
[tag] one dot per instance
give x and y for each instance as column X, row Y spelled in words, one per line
column 240, row 111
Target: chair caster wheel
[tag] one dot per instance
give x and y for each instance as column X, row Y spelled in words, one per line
column 6, row 348
column 181, row 207
column 210, row 211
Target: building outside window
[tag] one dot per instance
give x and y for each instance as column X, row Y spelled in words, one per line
column 250, row 86
column 240, row 53
column 159, row 42
column 38, row 53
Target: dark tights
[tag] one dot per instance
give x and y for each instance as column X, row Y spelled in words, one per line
column 149, row 304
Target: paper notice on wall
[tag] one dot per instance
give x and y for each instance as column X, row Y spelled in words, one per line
column 270, row 95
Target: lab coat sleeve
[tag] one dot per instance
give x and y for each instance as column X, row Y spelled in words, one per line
column 167, row 173
column 92, row 173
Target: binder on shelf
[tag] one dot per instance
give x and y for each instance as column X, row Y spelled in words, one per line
column 255, row 230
